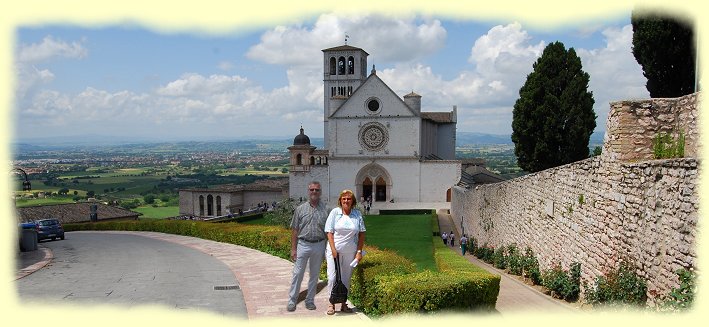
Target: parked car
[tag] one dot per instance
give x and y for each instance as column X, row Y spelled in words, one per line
column 49, row 229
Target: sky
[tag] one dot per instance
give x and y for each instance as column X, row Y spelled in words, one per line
column 133, row 81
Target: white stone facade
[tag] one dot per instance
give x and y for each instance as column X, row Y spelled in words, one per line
column 374, row 140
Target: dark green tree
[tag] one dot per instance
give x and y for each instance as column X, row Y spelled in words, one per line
column 665, row 47
column 553, row 118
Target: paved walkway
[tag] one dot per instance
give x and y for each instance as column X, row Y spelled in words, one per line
column 264, row 279
column 515, row 296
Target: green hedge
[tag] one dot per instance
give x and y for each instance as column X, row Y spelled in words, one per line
column 406, row 211
column 270, row 239
column 434, row 225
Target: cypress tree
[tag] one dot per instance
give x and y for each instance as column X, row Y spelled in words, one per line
column 666, row 49
column 553, row 118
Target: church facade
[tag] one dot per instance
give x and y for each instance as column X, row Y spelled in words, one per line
column 377, row 143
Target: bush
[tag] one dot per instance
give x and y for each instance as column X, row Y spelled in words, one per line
column 562, row 284
column 530, row 267
column 514, row 260
column 621, row 286
column 499, row 258
column 282, row 215
column 681, row 298
column 485, row 253
column 392, row 286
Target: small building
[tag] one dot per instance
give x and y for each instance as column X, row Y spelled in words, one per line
column 225, row 199
column 75, row 212
column 474, row 172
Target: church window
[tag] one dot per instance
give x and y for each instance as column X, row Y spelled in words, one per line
column 299, row 159
column 341, row 66
column 349, row 90
column 373, row 105
column 350, row 65
column 201, row 205
column 210, row 205
column 219, row 205
column 332, row 65
column 312, row 161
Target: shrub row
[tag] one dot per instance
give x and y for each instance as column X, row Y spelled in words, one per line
column 269, row 239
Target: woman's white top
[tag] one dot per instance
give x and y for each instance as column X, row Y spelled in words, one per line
column 345, row 229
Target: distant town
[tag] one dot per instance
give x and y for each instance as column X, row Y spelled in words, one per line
column 146, row 177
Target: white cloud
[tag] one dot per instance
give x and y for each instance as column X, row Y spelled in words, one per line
column 28, row 56
column 236, row 105
column 225, row 66
column 50, row 48
column 615, row 75
column 386, row 38
column 503, row 58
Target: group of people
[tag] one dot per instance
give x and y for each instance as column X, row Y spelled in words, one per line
column 449, row 239
column 315, row 235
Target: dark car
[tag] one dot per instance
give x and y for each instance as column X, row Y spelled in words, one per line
column 49, row 228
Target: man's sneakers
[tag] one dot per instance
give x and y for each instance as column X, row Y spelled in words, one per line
column 291, row 307
column 310, row 306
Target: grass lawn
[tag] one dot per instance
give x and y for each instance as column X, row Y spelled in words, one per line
column 157, row 213
column 408, row 235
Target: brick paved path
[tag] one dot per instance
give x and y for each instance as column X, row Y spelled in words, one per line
column 514, row 296
column 263, row 278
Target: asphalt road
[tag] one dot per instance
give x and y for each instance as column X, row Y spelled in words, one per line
column 130, row 270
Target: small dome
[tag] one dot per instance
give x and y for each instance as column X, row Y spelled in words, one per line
column 301, row 139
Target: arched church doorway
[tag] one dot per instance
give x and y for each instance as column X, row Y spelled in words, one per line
column 373, row 181
column 367, row 188
column 381, row 190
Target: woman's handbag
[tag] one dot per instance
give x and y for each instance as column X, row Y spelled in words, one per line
column 339, row 291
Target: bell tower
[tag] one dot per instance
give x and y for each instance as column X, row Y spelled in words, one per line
column 344, row 70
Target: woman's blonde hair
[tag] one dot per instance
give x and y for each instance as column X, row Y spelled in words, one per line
column 354, row 198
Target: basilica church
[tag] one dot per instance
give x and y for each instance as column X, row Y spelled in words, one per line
column 377, row 144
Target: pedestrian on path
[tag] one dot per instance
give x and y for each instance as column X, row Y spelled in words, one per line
column 444, row 236
column 451, row 238
column 463, row 244
column 307, row 245
column 345, row 239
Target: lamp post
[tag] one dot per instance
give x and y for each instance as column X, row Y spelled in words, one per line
column 26, row 185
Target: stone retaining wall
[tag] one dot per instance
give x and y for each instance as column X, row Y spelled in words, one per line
column 601, row 210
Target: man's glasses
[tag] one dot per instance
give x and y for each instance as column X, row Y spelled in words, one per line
column 314, row 190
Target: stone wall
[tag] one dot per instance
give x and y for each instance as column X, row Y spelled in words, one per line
column 601, row 210
column 632, row 125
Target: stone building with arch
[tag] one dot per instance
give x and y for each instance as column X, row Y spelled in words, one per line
column 224, row 199
column 377, row 143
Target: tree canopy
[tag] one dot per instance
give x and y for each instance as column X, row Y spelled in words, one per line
column 665, row 48
column 553, row 118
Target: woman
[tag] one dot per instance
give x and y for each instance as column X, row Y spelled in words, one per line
column 345, row 235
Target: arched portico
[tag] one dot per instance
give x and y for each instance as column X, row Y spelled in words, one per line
column 373, row 180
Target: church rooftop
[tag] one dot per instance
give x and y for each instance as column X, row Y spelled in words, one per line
column 344, row 48
column 438, row 117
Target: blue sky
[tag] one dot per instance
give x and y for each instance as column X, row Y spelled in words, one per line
column 128, row 80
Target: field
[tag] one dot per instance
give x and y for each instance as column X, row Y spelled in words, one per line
column 47, row 201
column 157, row 212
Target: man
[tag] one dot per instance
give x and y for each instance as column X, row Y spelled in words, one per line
column 308, row 242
